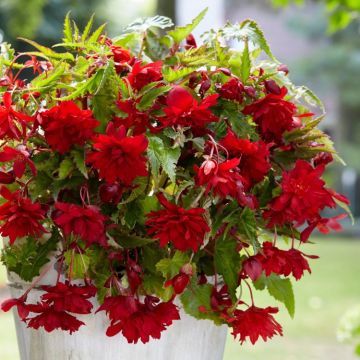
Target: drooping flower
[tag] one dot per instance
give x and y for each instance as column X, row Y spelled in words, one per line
column 110, row 193
column 21, row 157
column 22, row 308
column 12, row 123
column 181, row 280
column 137, row 320
column 87, row 222
column 66, row 125
column 184, row 110
column 185, row 229
column 20, row 216
column 50, row 319
column 273, row 115
column 233, row 89
column 281, row 262
column 224, row 180
column 118, row 157
column 254, row 156
column 142, row 75
column 122, row 58
column 255, row 322
column 71, row 298
column 134, row 274
column 303, row 196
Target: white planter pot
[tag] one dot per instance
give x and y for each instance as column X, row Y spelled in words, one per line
column 185, row 339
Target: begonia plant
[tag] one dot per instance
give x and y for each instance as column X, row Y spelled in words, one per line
column 157, row 171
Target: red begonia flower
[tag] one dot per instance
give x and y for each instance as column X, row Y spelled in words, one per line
column 220, row 299
column 185, row 229
column 232, row 90
column 12, row 123
column 136, row 320
column 136, row 120
column 110, row 193
column 50, row 319
column 255, row 322
column 22, row 308
column 66, row 125
column 21, row 157
column 122, row 58
column 273, row 115
column 71, row 298
column 254, row 156
column 7, row 177
column 118, row 157
column 142, row 75
column 20, row 216
column 184, row 110
column 224, row 180
column 85, row 221
column 303, row 196
column 134, row 274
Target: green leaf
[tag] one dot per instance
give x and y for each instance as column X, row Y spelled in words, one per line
column 143, row 24
column 227, row 263
column 248, row 30
column 161, row 155
column 309, row 97
column 280, row 289
column 141, row 184
column 129, row 241
column 171, row 75
column 67, row 29
column 49, row 52
column 87, row 28
column 65, row 169
column 78, row 156
column 80, row 263
column 43, row 81
column 357, row 349
column 171, row 266
column 27, row 259
column 346, row 208
column 154, row 284
column 247, row 226
column 96, row 34
column 181, row 32
column 149, row 97
column 196, row 302
column 245, row 63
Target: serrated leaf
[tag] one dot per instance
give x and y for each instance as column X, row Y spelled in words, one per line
column 247, row 226
column 150, row 96
column 129, row 241
column 27, row 259
column 43, row 81
column 280, row 289
column 67, row 29
column 78, row 156
column 143, row 24
column 171, row 266
column 49, row 52
column 164, row 156
column 196, row 301
column 79, row 263
column 245, row 63
column 227, row 263
column 87, row 28
column 96, row 34
column 65, row 168
column 171, row 75
column 248, row 30
column 181, row 32
column 309, row 97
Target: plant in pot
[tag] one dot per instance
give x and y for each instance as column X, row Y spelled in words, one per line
column 150, row 184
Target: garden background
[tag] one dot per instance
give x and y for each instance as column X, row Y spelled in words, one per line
column 320, row 42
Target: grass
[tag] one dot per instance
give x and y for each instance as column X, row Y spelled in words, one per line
column 321, row 300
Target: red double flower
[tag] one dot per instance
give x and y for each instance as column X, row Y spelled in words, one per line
column 137, row 320
column 185, row 229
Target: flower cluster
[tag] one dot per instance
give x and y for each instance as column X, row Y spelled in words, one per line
column 161, row 175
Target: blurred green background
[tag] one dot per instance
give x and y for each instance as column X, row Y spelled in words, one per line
column 320, row 42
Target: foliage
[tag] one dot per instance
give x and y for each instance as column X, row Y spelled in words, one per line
column 156, row 169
